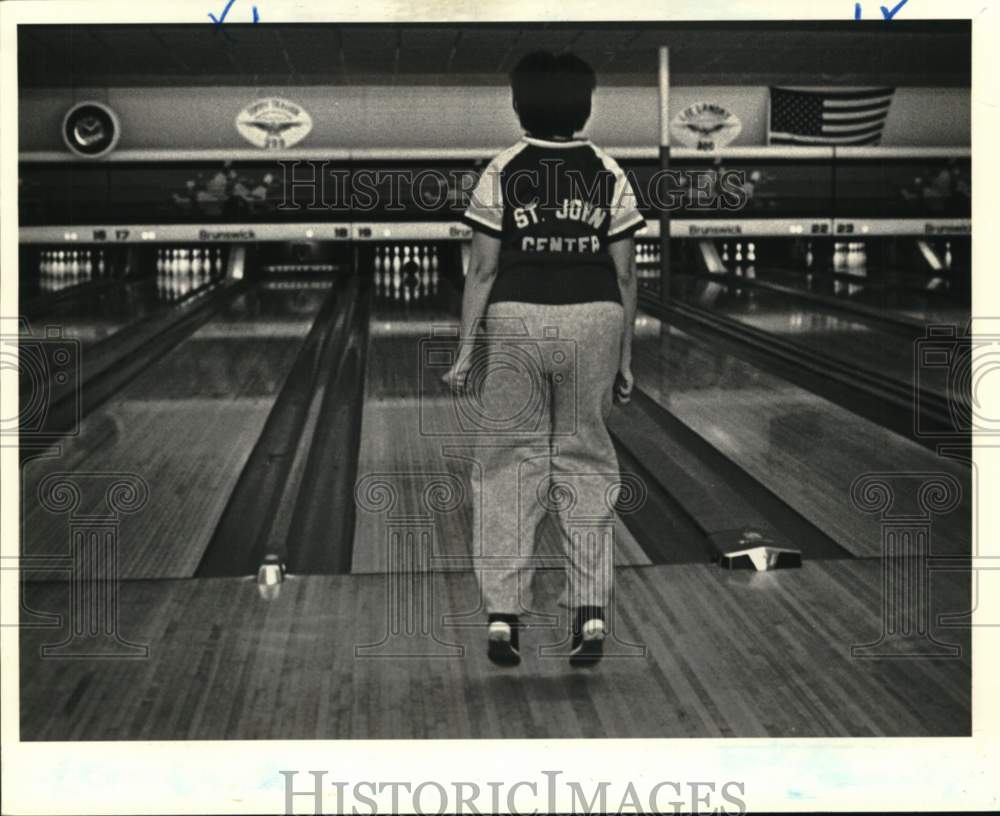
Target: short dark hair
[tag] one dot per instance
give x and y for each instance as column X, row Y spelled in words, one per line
column 552, row 93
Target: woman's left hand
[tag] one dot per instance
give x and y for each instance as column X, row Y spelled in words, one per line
column 624, row 382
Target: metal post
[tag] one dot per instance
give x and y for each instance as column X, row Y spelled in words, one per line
column 664, row 166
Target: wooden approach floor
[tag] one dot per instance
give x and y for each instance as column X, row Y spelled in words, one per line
column 726, row 654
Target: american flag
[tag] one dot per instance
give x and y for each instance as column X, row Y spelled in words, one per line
column 828, row 117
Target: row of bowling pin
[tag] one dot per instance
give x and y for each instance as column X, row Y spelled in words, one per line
column 393, row 259
column 647, row 253
column 406, row 287
column 184, row 261
column 174, row 287
column 849, row 255
column 59, row 268
column 947, row 257
column 739, row 256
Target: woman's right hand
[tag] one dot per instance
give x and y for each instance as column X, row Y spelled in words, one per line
column 455, row 376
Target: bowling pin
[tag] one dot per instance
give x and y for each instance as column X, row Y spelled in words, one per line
column 947, row 255
column 434, row 258
column 809, row 255
column 751, row 253
column 838, row 256
column 725, row 253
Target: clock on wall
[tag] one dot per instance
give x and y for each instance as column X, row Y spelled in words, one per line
column 91, row 129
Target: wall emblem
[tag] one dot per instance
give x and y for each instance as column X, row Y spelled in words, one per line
column 706, row 126
column 273, row 123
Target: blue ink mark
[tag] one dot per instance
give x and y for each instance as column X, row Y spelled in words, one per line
column 229, row 5
column 857, row 11
column 889, row 14
column 256, row 16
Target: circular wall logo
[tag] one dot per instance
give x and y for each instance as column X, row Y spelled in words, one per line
column 273, row 123
column 91, row 129
column 706, row 126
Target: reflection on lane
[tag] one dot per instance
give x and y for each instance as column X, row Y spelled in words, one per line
column 805, row 449
column 185, row 426
column 854, row 340
column 95, row 316
column 931, row 306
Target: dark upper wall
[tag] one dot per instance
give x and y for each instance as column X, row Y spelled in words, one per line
column 900, row 53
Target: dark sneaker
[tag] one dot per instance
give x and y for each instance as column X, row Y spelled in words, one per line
column 588, row 644
column 502, row 648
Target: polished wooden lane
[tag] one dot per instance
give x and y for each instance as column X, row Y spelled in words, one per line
column 92, row 316
column 803, row 448
column 185, row 427
column 727, row 654
column 918, row 308
column 867, row 343
column 411, row 434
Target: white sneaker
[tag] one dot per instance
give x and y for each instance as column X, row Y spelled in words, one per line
column 502, row 648
column 588, row 645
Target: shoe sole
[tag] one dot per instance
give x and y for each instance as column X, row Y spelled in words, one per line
column 502, row 653
column 588, row 653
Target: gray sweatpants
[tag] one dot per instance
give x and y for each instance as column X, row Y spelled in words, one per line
column 539, row 397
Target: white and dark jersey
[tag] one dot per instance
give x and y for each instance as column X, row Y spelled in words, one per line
column 555, row 206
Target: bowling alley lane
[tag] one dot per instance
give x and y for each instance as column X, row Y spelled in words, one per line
column 727, row 654
column 878, row 346
column 909, row 305
column 803, row 448
column 185, row 426
column 91, row 316
column 412, row 437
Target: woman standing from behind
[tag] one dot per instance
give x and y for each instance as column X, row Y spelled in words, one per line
column 551, row 295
